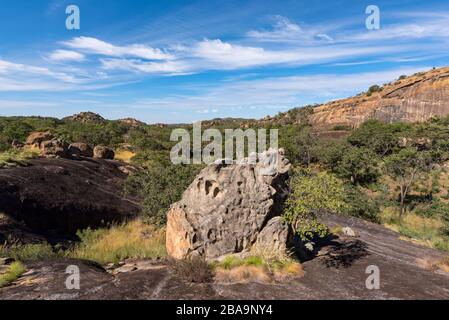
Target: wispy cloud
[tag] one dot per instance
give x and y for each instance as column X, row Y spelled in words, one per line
column 96, row 46
column 165, row 67
column 66, row 55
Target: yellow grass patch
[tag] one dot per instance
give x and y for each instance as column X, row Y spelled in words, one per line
column 124, row 155
column 133, row 240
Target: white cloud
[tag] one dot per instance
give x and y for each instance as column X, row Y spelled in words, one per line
column 283, row 28
column 95, row 46
column 16, row 69
column 66, row 55
column 324, row 36
column 165, row 67
column 222, row 55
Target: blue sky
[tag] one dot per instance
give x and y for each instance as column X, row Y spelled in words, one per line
column 180, row 61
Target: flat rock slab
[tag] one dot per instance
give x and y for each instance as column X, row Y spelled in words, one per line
column 338, row 272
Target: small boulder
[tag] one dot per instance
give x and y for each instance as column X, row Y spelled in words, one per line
column 36, row 138
column 102, row 152
column 347, row 231
column 81, row 150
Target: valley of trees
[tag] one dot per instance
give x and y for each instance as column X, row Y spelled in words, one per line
column 395, row 174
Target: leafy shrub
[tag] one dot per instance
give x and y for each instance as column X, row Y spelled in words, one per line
column 311, row 193
column 373, row 89
column 342, row 127
column 360, row 205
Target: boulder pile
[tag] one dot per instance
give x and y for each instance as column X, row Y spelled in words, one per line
column 50, row 147
column 229, row 209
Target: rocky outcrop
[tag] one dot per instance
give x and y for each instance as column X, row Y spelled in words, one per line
column 62, row 196
column 102, row 152
column 131, row 122
column 86, row 117
column 228, row 207
column 81, row 150
column 35, row 139
column 412, row 99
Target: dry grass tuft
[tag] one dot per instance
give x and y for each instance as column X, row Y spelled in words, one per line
column 132, row 240
column 195, row 270
column 244, row 274
column 433, row 264
column 263, row 265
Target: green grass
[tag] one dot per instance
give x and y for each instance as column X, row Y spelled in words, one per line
column 428, row 231
column 14, row 271
column 28, row 252
column 14, row 158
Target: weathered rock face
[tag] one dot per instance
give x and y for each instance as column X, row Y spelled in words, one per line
column 54, row 148
column 101, row 152
column 36, row 138
column 275, row 236
column 413, row 99
column 58, row 197
column 81, row 149
column 227, row 208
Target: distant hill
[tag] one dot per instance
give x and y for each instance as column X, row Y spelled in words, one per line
column 413, row 98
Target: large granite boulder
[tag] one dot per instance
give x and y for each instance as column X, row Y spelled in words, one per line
column 228, row 207
column 81, row 149
column 54, row 149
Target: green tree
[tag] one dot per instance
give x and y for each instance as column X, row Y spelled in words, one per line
column 380, row 137
column 359, row 165
column 310, row 194
column 406, row 168
column 159, row 187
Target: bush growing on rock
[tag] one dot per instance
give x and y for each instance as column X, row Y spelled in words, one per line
column 310, row 194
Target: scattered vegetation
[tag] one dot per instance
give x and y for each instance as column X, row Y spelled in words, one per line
column 14, row 158
column 132, row 240
column 15, row 270
column 27, row 252
column 258, row 267
column 195, row 270
column 373, row 89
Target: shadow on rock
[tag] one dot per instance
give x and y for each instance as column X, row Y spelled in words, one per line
column 344, row 254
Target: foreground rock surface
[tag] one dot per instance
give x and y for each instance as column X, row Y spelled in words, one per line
column 338, row 272
column 61, row 196
column 226, row 208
